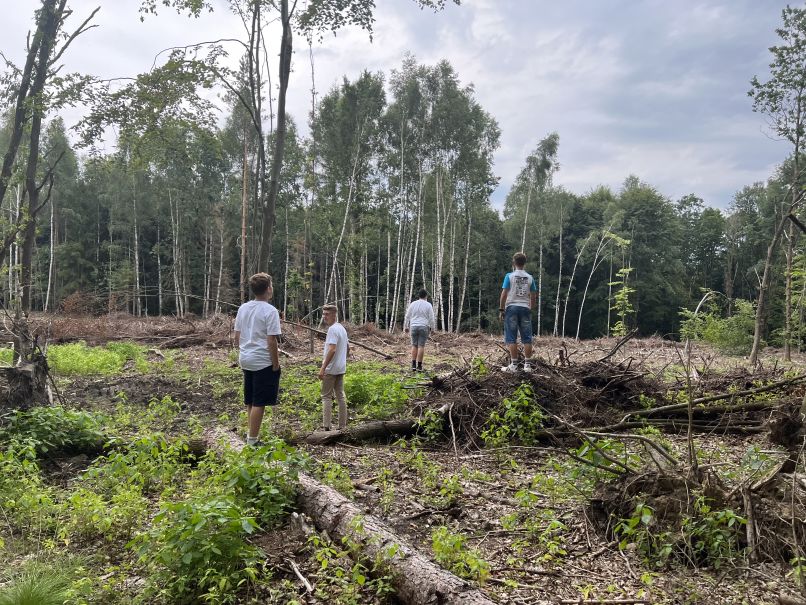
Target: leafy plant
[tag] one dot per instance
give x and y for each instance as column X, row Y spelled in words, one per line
column 55, row 428
column 337, row 477
column 732, row 335
column 621, row 302
column 711, row 536
column 451, row 551
column 518, row 419
column 198, row 549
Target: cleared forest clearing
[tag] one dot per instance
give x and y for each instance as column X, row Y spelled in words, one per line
column 522, row 491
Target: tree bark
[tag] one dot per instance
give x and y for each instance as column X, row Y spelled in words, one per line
column 415, row 578
column 269, row 218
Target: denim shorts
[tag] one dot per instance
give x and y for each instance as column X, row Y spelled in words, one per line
column 517, row 319
column 419, row 336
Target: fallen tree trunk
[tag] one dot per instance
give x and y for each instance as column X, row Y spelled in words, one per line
column 414, row 576
column 352, row 342
column 369, row 431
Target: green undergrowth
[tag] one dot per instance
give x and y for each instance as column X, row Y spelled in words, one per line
column 149, row 521
column 78, row 359
column 374, row 391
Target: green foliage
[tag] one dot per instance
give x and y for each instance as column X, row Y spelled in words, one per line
column 55, row 428
column 38, row 585
column 732, row 335
column 387, row 487
column 77, row 359
column 375, row 394
column 344, row 581
column 478, row 367
column 518, row 419
column 705, row 537
column 24, row 498
column 198, row 549
column 451, row 551
column 88, row 515
column 621, row 302
column 711, row 536
column 337, row 477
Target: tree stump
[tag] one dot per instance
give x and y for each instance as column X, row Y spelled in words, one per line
column 25, row 385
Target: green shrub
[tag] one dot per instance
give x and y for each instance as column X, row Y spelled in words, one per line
column 56, row 428
column 25, row 500
column 263, row 479
column 90, row 516
column 732, row 335
column 451, row 551
column 518, row 419
column 198, row 550
column 375, row 394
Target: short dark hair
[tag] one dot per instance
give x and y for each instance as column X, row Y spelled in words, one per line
column 259, row 283
column 423, row 293
column 519, row 260
column 333, row 308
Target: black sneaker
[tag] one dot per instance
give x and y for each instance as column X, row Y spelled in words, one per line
column 257, row 443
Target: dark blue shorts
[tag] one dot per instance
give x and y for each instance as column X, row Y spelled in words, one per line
column 261, row 387
column 517, row 319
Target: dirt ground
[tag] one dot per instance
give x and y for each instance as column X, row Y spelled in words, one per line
column 567, row 557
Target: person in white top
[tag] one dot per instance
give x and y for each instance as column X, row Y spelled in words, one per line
column 420, row 320
column 334, row 366
column 257, row 327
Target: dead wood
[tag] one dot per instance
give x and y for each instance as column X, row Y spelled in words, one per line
column 377, row 430
column 790, row 599
column 415, row 578
column 352, row 341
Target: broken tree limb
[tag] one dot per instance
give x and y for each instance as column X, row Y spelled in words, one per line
column 368, row 431
column 375, row 430
column 701, row 400
column 352, row 342
column 416, row 578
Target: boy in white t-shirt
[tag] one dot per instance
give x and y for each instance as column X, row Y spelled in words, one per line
column 257, row 327
column 334, row 366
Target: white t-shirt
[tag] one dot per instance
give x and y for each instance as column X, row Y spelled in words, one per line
column 336, row 335
column 420, row 314
column 256, row 320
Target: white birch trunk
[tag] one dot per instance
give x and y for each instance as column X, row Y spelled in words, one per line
column 52, row 255
column 559, row 278
column 571, row 281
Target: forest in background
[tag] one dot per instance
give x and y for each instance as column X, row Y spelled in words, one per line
column 389, row 192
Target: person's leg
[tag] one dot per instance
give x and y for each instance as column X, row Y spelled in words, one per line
column 255, row 420
column 413, row 355
column 338, row 386
column 511, row 336
column 525, row 329
column 328, row 383
column 248, row 396
column 420, row 355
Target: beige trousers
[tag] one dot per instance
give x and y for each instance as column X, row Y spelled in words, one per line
column 334, row 383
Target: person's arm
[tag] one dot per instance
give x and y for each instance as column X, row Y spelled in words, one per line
column 331, row 352
column 502, row 301
column 533, row 294
column 274, row 351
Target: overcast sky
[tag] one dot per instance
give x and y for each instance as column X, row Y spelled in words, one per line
column 646, row 87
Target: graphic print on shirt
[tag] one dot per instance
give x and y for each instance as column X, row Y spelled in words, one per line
column 521, row 286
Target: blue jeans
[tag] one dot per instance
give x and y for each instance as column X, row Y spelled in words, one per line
column 517, row 319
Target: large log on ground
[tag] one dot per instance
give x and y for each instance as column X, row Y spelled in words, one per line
column 368, row 431
column 416, row 579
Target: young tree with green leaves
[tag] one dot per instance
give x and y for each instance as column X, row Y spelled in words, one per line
column 782, row 98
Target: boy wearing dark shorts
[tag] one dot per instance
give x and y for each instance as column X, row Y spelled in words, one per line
column 518, row 296
column 257, row 327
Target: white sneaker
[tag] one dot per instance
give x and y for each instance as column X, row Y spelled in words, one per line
column 511, row 368
column 527, row 367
